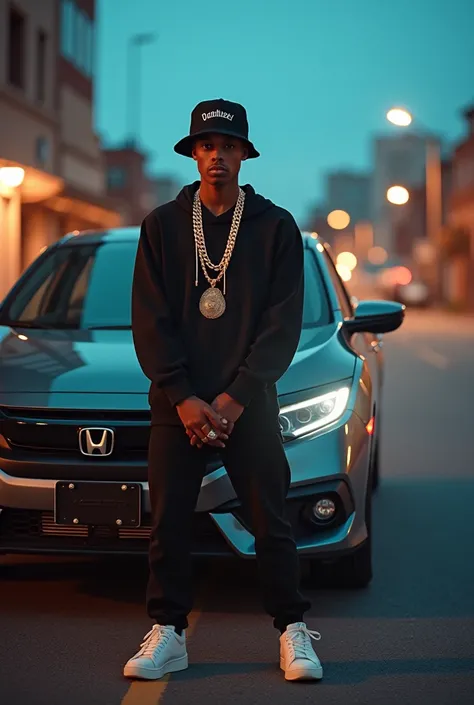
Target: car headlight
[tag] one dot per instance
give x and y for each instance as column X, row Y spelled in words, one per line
column 311, row 414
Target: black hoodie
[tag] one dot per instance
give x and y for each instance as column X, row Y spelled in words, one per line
column 247, row 349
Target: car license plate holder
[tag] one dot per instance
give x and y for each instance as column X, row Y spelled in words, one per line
column 98, row 503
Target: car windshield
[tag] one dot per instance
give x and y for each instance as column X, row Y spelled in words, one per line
column 88, row 286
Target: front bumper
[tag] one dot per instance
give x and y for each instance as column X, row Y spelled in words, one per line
column 333, row 462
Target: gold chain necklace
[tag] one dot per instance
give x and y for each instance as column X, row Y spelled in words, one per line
column 212, row 303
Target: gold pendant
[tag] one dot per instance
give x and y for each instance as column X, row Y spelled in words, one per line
column 212, row 303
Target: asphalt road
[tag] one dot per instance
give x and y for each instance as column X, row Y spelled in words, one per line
column 67, row 626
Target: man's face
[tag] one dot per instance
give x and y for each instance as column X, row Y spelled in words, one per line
column 219, row 158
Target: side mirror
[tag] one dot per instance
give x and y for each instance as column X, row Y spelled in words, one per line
column 376, row 317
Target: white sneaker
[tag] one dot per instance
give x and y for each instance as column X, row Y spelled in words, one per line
column 162, row 651
column 297, row 656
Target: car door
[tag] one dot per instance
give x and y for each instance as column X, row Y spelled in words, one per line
column 365, row 344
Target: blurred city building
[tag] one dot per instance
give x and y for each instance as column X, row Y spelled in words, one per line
column 46, row 114
column 398, row 160
column 458, row 242
column 350, row 191
column 410, row 226
column 167, row 188
column 316, row 221
column 129, row 183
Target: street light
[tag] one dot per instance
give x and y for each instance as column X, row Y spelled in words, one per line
column 11, row 176
column 399, row 117
column 338, row 220
column 434, row 192
column 398, row 195
column 134, row 83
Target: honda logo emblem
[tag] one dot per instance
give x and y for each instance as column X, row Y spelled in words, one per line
column 96, row 441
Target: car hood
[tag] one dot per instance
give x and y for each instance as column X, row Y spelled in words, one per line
column 322, row 358
column 38, row 365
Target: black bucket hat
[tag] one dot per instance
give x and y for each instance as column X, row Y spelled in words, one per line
column 221, row 116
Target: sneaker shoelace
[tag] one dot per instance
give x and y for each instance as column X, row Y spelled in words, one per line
column 155, row 640
column 299, row 641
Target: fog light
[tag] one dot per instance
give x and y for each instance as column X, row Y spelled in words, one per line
column 324, row 509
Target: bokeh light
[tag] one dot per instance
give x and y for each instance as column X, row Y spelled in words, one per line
column 344, row 272
column 396, row 276
column 12, row 176
column 338, row 219
column 402, row 275
column 347, row 259
column 377, row 255
column 398, row 195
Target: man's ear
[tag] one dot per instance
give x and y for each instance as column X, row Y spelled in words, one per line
column 245, row 154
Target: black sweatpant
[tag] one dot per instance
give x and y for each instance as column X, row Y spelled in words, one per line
column 258, row 469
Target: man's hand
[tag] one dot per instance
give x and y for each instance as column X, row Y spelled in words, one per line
column 228, row 408
column 229, row 411
column 199, row 419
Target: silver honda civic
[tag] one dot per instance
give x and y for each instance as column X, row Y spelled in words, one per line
column 75, row 418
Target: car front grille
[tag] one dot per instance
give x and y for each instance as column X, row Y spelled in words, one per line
column 22, row 529
column 85, row 415
column 57, row 432
column 50, row 438
column 49, row 528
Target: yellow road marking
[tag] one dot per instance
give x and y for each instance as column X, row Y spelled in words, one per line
column 151, row 692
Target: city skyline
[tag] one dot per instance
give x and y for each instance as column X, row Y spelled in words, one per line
column 316, row 87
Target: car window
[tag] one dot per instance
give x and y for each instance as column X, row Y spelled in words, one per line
column 341, row 292
column 89, row 286
column 316, row 309
column 32, row 308
column 78, row 286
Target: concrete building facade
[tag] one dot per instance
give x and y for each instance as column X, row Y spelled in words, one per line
column 46, row 129
column 129, row 183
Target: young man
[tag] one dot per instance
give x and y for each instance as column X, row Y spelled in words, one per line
column 217, row 311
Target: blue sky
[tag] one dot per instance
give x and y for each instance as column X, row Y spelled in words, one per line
column 316, row 77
